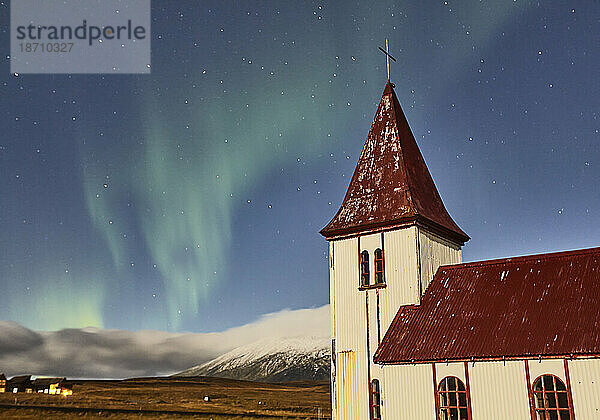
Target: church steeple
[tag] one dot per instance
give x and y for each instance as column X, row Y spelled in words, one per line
column 387, row 240
column 391, row 186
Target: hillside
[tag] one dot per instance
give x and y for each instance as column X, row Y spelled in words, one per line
column 271, row 360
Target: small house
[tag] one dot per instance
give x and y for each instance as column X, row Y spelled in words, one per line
column 52, row 386
column 66, row 389
column 19, row 384
column 2, row 383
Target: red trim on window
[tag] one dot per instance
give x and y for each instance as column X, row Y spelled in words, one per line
column 553, row 392
column 378, row 320
column 378, row 265
column 375, row 402
column 435, row 393
column 445, row 397
column 359, row 263
column 383, row 249
column 365, row 269
column 468, row 385
column 383, row 252
column 373, row 287
column 529, row 391
column 569, row 393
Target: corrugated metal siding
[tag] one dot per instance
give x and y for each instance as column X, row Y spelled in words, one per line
column 332, row 287
column 408, row 393
column 350, row 319
column 400, row 273
column 435, row 252
column 370, row 243
column 501, row 308
column 332, row 313
column 456, row 369
column 498, row 391
column 348, row 386
column 350, row 329
column 546, row 367
column 373, row 344
column 585, row 387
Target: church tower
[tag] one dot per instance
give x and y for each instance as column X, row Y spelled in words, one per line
column 386, row 242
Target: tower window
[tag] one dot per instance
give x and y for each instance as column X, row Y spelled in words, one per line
column 379, row 278
column 551, row 398
column 452, row 395
column 364, row 268
column 375, row 400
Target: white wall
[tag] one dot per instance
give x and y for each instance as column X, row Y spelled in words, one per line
column 585, row 384
column 409, row 255
column 499, row 391
column 435, row 251
column 407, row 392
column 456, row 369
column 554, row 367
column 400, row 259
column 349, row 331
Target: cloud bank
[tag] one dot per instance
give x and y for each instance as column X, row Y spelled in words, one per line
column 103, row 353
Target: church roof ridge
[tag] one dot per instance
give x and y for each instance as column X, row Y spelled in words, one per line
column 522, row 258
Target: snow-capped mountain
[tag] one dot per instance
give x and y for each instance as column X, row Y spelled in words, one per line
column 272, row 360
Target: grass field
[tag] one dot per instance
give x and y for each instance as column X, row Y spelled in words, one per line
column 175, row 398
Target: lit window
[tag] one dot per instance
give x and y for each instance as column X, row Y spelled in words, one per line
column 364, row 268
column 375, row 400
column 453, row 399
column 379, row 266
column 551, row 398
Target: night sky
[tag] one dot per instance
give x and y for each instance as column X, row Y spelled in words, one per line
column 190, row 199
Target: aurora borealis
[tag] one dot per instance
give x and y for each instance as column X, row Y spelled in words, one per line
column 190, row 199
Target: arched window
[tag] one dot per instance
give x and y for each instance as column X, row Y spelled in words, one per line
column 379, row 266
column 551, row 398
column 364, row 268
column 375, row 400
column 453, row 399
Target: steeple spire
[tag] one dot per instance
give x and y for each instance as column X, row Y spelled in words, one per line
column 391, row 186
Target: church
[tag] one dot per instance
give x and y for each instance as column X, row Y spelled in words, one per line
column 419, row 335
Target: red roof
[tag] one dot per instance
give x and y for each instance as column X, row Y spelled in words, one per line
column 391, row 185
column 538, row 305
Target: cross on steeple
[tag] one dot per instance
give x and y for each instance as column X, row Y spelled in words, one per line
column 388, row 56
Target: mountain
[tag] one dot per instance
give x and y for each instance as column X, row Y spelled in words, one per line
column 271, row 360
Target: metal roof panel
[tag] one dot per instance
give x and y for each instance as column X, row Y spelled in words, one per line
column 538, row 305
